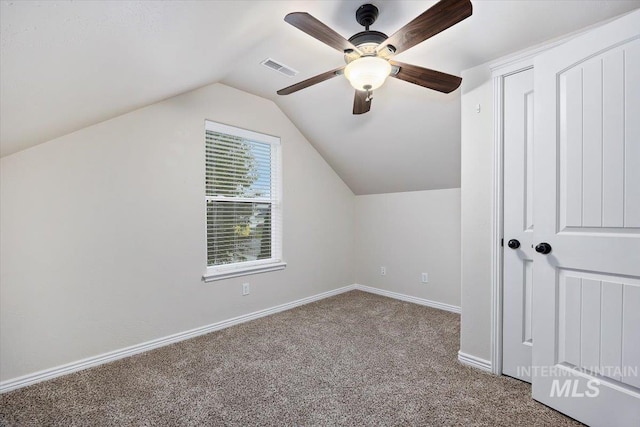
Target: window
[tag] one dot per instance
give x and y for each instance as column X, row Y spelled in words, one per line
column 243, row 199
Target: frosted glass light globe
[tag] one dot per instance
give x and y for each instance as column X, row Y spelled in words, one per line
column 367, row 71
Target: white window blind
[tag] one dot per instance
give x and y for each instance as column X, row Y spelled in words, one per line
column 243, row 199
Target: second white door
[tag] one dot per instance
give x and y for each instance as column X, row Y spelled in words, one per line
column 518, row 225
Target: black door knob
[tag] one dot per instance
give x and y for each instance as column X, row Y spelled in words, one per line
column 543, row 248
column 513, row 244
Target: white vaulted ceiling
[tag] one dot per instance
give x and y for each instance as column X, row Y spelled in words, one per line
column 69, row 64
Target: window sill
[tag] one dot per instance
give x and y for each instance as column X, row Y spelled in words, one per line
column 243, row 271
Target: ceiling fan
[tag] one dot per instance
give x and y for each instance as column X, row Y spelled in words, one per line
column 367, row 54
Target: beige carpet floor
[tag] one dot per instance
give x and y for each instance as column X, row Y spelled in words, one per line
column 356, row 359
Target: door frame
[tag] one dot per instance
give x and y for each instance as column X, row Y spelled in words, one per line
column 501, row 68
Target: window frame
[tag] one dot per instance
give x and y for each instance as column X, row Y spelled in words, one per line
column 275, row 263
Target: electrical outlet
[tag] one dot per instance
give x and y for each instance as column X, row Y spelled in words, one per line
column 424, row 278
column 245, row 289
column 383, row 271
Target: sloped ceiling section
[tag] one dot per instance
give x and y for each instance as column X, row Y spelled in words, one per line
column 69, row 64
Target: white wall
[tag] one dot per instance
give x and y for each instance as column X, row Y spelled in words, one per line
column 102, row 232
column 410, row 233
column 476, row 188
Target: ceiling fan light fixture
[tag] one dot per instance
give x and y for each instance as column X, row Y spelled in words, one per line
column 367, row 72
column 368, row 52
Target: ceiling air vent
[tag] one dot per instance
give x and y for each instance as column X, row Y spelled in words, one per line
column 281, row 68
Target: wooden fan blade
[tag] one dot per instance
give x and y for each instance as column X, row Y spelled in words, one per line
column 432, row 79
column 437, row 18
column 310, row 82
column 316, row 29
column 360, row 103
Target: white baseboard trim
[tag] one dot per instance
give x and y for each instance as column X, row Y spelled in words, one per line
column 475, row 362
column 111, row 356
column 47, row 374
column 409, row 298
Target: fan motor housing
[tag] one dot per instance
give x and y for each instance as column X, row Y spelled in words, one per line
column 367, row 41
column 367, row 37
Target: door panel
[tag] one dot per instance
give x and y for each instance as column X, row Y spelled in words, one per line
column 591, row 321
column 586, row 298
column 598, row 141
column 518, row 224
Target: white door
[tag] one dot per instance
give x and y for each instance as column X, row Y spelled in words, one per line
column 586, row 291
column 518, row 224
